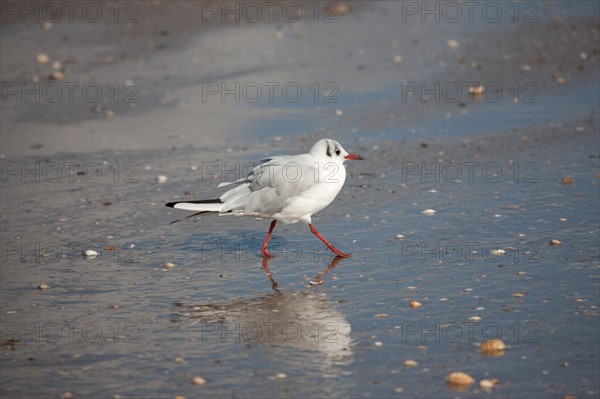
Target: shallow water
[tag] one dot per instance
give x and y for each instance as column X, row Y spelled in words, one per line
column 121, row 324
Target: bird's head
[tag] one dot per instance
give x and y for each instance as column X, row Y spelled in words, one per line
column 330, row 148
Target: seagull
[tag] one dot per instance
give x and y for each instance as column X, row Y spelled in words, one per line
column 289, row 188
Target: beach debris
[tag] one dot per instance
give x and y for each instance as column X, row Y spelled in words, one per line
column 459, row 379
column 451, row 43
column 415, row 304
column 525, row 68
column 518, row 295
column 337, row 9
column 476, row 90
column 566, row 180
column 90, row 254
column 378, row 343
column 57, row 75
column 399, row 237
column 410, row 363
column 280, row 376
column 169, row 265
column 493, row 347
column 554, row 242
column 161, row 179
column 382, row 315
column 487, row 385
column 198, row 381
column 498, row 252
column 339, row 112
column 429, row 212
column 43, row 287
column 42, row 58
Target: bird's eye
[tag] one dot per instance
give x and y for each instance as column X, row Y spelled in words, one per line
column 337, row 151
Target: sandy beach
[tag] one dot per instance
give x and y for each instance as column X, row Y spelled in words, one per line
column 474, row 216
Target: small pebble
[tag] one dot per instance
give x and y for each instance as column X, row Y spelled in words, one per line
column 415, row 304
column 280, row 376
column 518, row 295
column 399, row 237
column 169, row 265
column 566, row 180
column 109, row 113
column 382, row 315
column 452, row 43
column 198, row 381
column 397, row 59
column 474, row 318
column 43, row 287
column 66, row 395
column 115, row 306
column 337, row 9
column 339, row 112
column 42, row 58
column 497, row 252
column 410, row 363
column 562, row 220
column 560, row 79
column 179, row 360
column 459, row 379
column 193, row 167
column 554, row 242
column 90, row 254
column 486, row 384
column 161, row 179
column 180, row 397
column 492, row 345
column 47, row 25
column 429, row 212
column 378, row 343
column 476, row 90
column 525, row 68
column 56, row 65
column 57, row 75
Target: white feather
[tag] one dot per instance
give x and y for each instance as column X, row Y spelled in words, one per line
column 199, row 207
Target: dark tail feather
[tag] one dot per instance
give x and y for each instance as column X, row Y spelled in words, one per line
column 190, row 216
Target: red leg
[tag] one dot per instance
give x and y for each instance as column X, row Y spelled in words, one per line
column 263, row 248
column 265, row 266
column 331, row 247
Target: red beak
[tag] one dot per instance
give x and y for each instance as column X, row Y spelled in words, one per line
column 353, row 157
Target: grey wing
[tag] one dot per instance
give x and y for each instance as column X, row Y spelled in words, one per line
column 269, row 187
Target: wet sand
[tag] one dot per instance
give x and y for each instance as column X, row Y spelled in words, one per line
column 495, row 171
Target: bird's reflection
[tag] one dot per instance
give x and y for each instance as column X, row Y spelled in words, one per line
column 318, row 280
column 303, row 328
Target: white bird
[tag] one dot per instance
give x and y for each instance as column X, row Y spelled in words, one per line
column 289, row 188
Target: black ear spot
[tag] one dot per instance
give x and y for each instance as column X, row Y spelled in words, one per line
column 328, row 152
column 337, row 151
